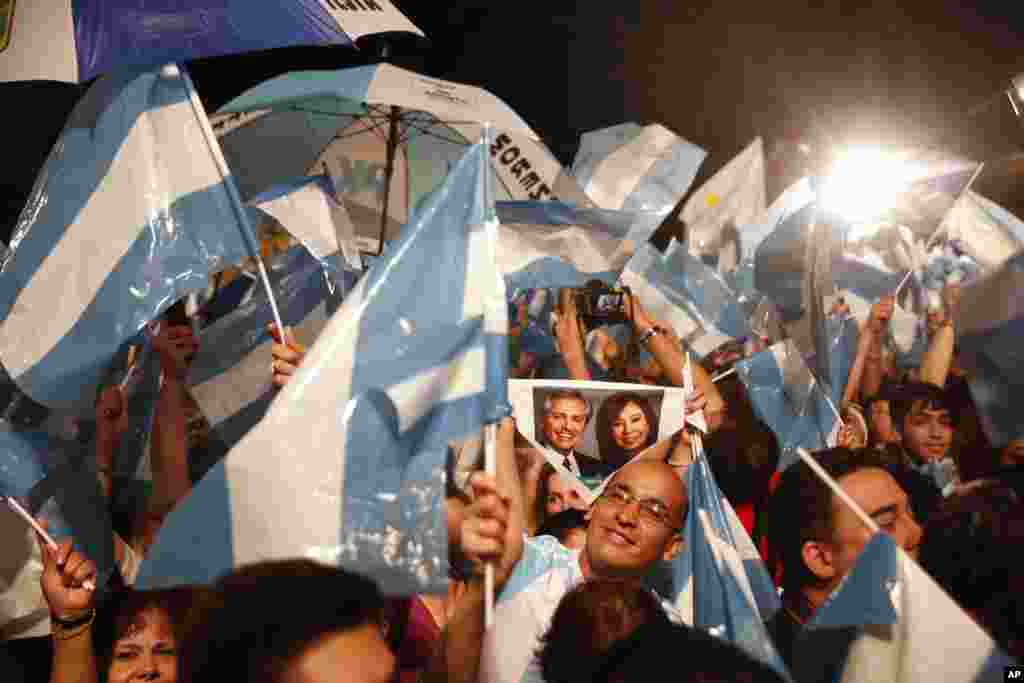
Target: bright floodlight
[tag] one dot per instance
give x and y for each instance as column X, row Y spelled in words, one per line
column 1016, row 94
column 863, row 183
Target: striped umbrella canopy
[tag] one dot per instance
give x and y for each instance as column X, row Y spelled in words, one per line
column 386, row 136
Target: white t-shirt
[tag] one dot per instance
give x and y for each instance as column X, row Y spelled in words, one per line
column 545, row 573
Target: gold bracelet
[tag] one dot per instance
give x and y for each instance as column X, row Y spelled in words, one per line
column 60, row 633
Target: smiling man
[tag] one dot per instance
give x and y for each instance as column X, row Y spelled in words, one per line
column 566, row 415
column 635, row 525
column 817, row 538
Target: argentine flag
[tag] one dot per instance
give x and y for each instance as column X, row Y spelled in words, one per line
column 630, row 167
column 733, row 198
column 347, row 467
column 724, row 586
column 989, row 333
column 889, row 622
column 230, row 377
column 309, row 210
column 683, row 292
column 550, row 244
column 789, row 399
column 128, row 215
column 53, row 479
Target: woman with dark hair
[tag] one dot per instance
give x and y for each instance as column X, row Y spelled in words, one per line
column 626, row 425
column 134, row 637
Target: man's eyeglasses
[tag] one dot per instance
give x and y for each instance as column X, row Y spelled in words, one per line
column 652, row 510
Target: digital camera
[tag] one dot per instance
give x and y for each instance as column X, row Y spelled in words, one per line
column 597, row 304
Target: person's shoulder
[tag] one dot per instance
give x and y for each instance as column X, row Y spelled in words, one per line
column 541, row 555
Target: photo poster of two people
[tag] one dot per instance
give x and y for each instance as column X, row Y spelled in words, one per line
column 587, row 430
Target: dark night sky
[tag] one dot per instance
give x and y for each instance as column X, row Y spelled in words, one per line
column 717, row 73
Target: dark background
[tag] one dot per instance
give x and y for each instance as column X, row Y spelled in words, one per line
column 716, row 73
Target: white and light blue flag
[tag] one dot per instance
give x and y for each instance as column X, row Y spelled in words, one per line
column 984, row 230
column 229, row 377
column 47, row 471
column 308, row 210
column 682, row 291
column 715, row 214
column 129, row 214
column 551, row 244
column 989, row 338
column 888, row 622
column 629, row 167
column 789, row 399
column 724, row 587
column 348, row 465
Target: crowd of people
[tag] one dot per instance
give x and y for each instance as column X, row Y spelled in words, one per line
column 572, row 572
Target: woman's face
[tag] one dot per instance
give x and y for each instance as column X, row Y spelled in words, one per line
column 561, row 496
column 630, row 429
column 146, row 652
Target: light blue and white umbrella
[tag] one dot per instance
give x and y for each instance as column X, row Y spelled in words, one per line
column 386, row 136
column 77, row 40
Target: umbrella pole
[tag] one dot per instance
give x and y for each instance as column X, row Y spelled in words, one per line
column 389, row 168
column 248, row 232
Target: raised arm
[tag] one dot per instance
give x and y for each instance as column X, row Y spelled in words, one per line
column 492, row 531
column 569, row 333
column 169, row 452
column 938, row 359
column 72, row 611
column 664, row 346
column 869, row 350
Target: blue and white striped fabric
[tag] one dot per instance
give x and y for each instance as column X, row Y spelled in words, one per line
column 789, row 399
column 834, row 337
column 86, row 38
column 796, row 198
column 892, row 619
column 717, row 212
column 48, row 474
column 551, row 244
column 308, row 210
column 133, row 166
column 989, row 333
column 703, row 598
column 726, row 577
column 985, row 231
column 347, row 467
column 230, row 376
column 683, row 292
column 637, row 168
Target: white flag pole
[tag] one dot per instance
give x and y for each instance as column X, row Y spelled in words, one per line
column 248, row 233
column 495, row 321
column 837, row 489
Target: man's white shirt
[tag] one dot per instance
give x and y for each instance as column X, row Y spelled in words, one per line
column 545, row 573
